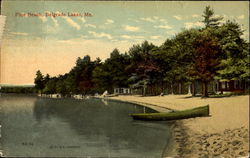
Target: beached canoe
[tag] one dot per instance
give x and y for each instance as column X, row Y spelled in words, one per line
column 175, row 115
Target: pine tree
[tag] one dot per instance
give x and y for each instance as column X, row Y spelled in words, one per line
column 209, row 19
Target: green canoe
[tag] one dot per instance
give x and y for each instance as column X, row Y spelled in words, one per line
column 175, row 115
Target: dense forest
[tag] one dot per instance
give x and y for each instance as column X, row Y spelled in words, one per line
column 197, row 55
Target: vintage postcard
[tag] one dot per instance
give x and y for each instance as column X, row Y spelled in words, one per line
column 144, row 79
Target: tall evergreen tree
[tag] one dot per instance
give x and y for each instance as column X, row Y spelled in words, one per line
column 235, row 52
column 209, row 19
column 39, row 81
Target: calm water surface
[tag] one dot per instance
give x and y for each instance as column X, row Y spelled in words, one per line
column 39, row 127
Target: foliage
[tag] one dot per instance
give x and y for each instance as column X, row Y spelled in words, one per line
column 209, row 19
column 206, row 61
column 111, row 73
column 39, row 84
column 17, row 89
column 235, row 59
column 216, row 51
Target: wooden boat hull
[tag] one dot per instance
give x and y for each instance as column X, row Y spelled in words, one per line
column 190, row 113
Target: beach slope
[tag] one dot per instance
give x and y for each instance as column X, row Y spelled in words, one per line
column 224, row 134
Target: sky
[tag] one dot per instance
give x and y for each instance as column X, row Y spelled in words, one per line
column 44, row 35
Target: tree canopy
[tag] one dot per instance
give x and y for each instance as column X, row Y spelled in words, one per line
column 216, row 51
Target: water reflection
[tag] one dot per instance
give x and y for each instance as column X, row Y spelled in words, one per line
column 90, row 126
column 104, row 101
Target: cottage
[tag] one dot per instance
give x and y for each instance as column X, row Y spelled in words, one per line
column 122, row 91
column 231, row 86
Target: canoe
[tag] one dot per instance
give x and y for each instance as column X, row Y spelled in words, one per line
column 175, row 115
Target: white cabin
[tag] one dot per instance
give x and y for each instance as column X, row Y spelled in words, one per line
column 122, row 91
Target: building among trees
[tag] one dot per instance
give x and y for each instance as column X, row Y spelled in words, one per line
column 122, row 91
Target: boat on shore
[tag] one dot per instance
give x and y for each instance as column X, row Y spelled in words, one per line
column 174, row 115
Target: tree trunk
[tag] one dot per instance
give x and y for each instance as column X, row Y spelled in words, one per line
column 180, row 88
column 151, row 89
column 156, row 89
column 172, row 88
column 193, row 89
column 162, row 86
column 214, row 87
column 204, row 89
column 144, row 90
column 189, row 88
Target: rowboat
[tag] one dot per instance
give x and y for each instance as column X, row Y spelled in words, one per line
column 175, row 115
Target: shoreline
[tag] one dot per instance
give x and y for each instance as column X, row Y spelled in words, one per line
column 170, row 148
column 148, row 105
column 224, row 134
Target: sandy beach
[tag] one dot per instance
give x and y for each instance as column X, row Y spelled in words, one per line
column 224, row 134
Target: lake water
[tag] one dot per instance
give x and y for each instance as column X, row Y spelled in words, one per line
column 38, row 127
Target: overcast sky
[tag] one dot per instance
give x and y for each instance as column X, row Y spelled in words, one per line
column 52, row 44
